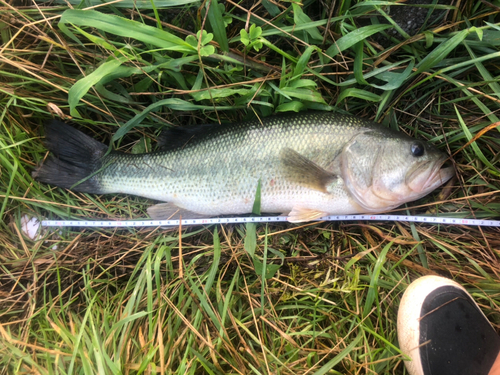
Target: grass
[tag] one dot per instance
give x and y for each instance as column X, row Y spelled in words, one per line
column 317, row 298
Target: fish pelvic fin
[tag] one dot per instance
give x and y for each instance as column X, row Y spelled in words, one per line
column 300, row 214
column 169, row 211
column 305, row 172
column 75, row 158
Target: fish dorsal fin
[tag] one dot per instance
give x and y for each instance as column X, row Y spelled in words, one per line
column 169, row 211
column 179, row 137
column 300, row 214
column 305, row 172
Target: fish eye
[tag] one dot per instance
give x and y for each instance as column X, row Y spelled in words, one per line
column 417, row 149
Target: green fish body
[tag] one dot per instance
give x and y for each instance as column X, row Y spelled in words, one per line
column 309, row 165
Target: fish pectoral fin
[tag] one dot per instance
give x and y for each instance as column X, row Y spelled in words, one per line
column 300, row 214
column 305, row 172
column 169, row 211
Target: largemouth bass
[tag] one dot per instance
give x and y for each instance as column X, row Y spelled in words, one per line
column 310, row 165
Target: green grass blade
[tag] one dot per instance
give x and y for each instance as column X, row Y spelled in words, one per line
column 173, row 103
column 79, row 89
column 302, row 62
column 441, row 52
column 474, row 145
column 358, row 64
column 353, row 38
column 301, row 18
column 339, row 357
column 214, row 268
column 257, row 200
column 217, row 24
column 134, row 4
column 373, row 288
column 282, row 298
column 123, row 27
column 358, row 93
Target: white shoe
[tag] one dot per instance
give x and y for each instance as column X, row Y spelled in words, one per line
column 443, row 331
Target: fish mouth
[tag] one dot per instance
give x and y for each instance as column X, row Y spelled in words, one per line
column 426, row 178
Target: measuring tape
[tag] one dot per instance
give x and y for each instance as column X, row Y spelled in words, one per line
column 265, row 219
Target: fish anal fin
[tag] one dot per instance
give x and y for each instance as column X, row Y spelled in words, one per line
column 169, row 211
column 305, row 172
column 301, row 214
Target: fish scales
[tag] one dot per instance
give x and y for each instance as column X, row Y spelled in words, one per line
column 300, row 161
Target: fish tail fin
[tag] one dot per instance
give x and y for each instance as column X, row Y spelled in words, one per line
column 74, row 160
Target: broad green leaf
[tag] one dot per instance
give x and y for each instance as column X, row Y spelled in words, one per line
column 203, row 35
column 207, row 50
column 256, row 45
column 255, row 31
column 245, row 38
column 252, row 37
column 228, row 19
